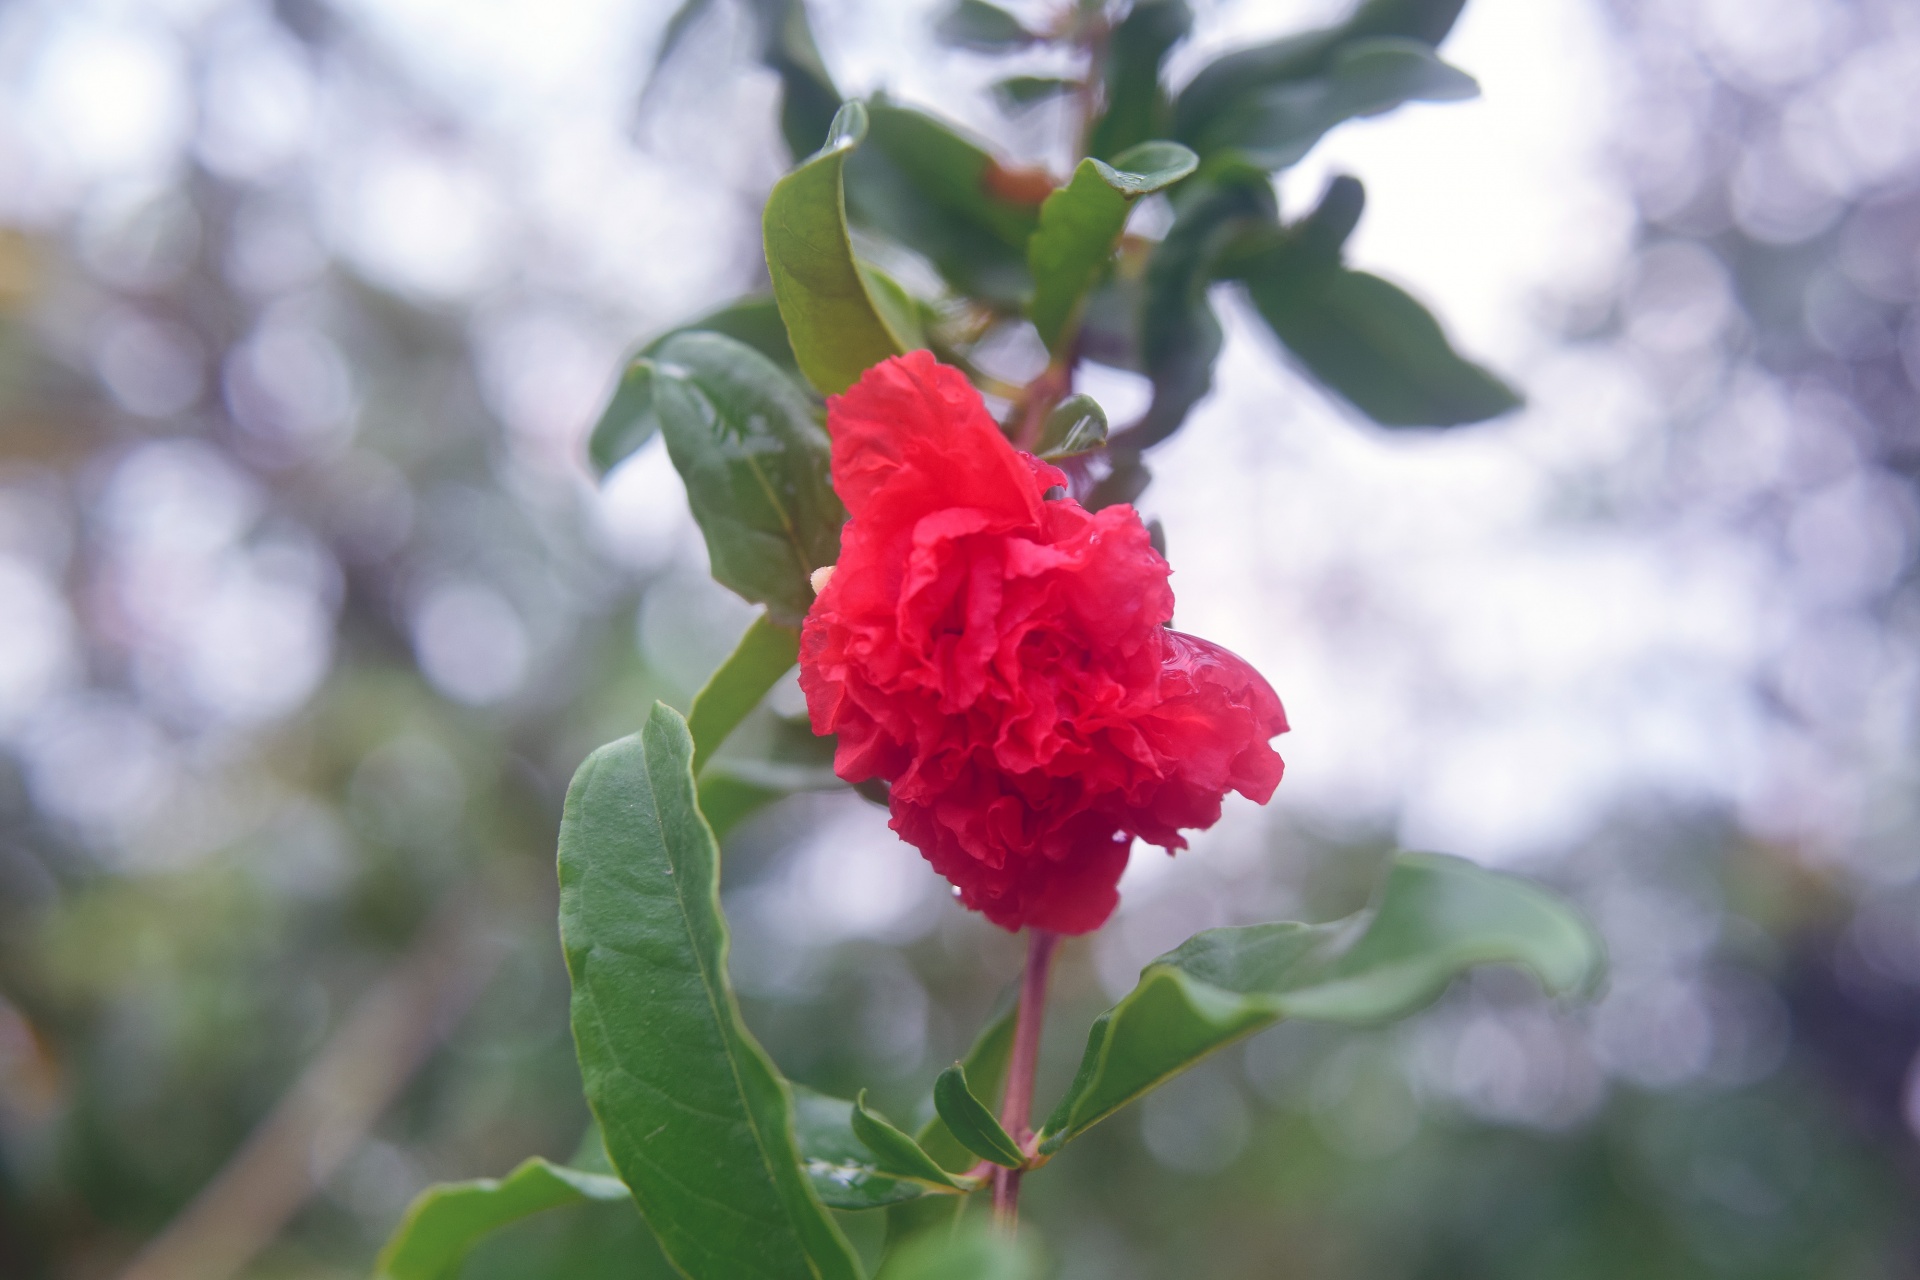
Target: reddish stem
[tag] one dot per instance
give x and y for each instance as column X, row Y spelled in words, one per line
column 1016, row 1111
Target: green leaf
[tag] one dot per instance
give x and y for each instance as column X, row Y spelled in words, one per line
column 1136, row 104
column 1220, row 89
column 1376, row 346
column 972, row 1251
column 982, row 27
column 629, row 420
column 836, row 330
column 755, row 460
column 895, row 1153
column 1076, row 425
column 844, row 1171
column 904, row 314
column 1275, row 126
column 1179, row 336
column 971, row 1123
column 1081, row 222
column 447, row 1220
column 986, row 1067
column 766, row 652
column 1437, row 916
column 949, row 169
column 727, row 800
column 754, row 321
column 1110, row 321
column 1017, row 93
column 695, row 1118
column 808, row 98
column 931, row 188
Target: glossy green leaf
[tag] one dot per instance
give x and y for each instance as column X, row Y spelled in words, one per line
column 844, row 1171
column 1080, row 224
column 766, row 652
column 972, row 1251
column 447, row 1220
column 970, row 1122
column 895, row 1153
column 755, row 458
column 695, row 1118
column 629, row 420
column 1136, row 103
column 836, row 330
column 1076, row 425
column 928, row 186
column 1376, row 346
column 1017, row 93
column 1220, row 89
column 1436, row 917
column 982, row 27
column 1275, row 126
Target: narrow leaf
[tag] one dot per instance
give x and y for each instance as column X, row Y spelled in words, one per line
column 1017, row 93
column 695, row 1118
column 765, row 653
column 836, row 331
column 969, row 1120
column 1437, row 917
column 1080, row 224
column 754, row 457
column 1277, row 125
column 903, row 313
column 627, row 422
column 1373, row 344
column 726, row 801
column 447, row 1220
column 844, row 1171
column 672, row 36
column 1179, row 336
column 986, row 1068
column 1136, row 103
column 1077, row 425
column 982, row 27
column 895, row 1152
column 1220, row 88
column 808, row 98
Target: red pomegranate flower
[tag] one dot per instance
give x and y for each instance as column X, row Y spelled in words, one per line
column 1002, row 660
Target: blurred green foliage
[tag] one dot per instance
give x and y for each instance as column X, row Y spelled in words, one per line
column 160, row 990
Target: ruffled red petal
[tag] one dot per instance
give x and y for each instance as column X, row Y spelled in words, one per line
column 1003, row 661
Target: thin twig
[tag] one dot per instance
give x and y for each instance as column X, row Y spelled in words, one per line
column 325, row 1116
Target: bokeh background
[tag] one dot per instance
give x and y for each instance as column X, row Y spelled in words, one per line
column 309, row 607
